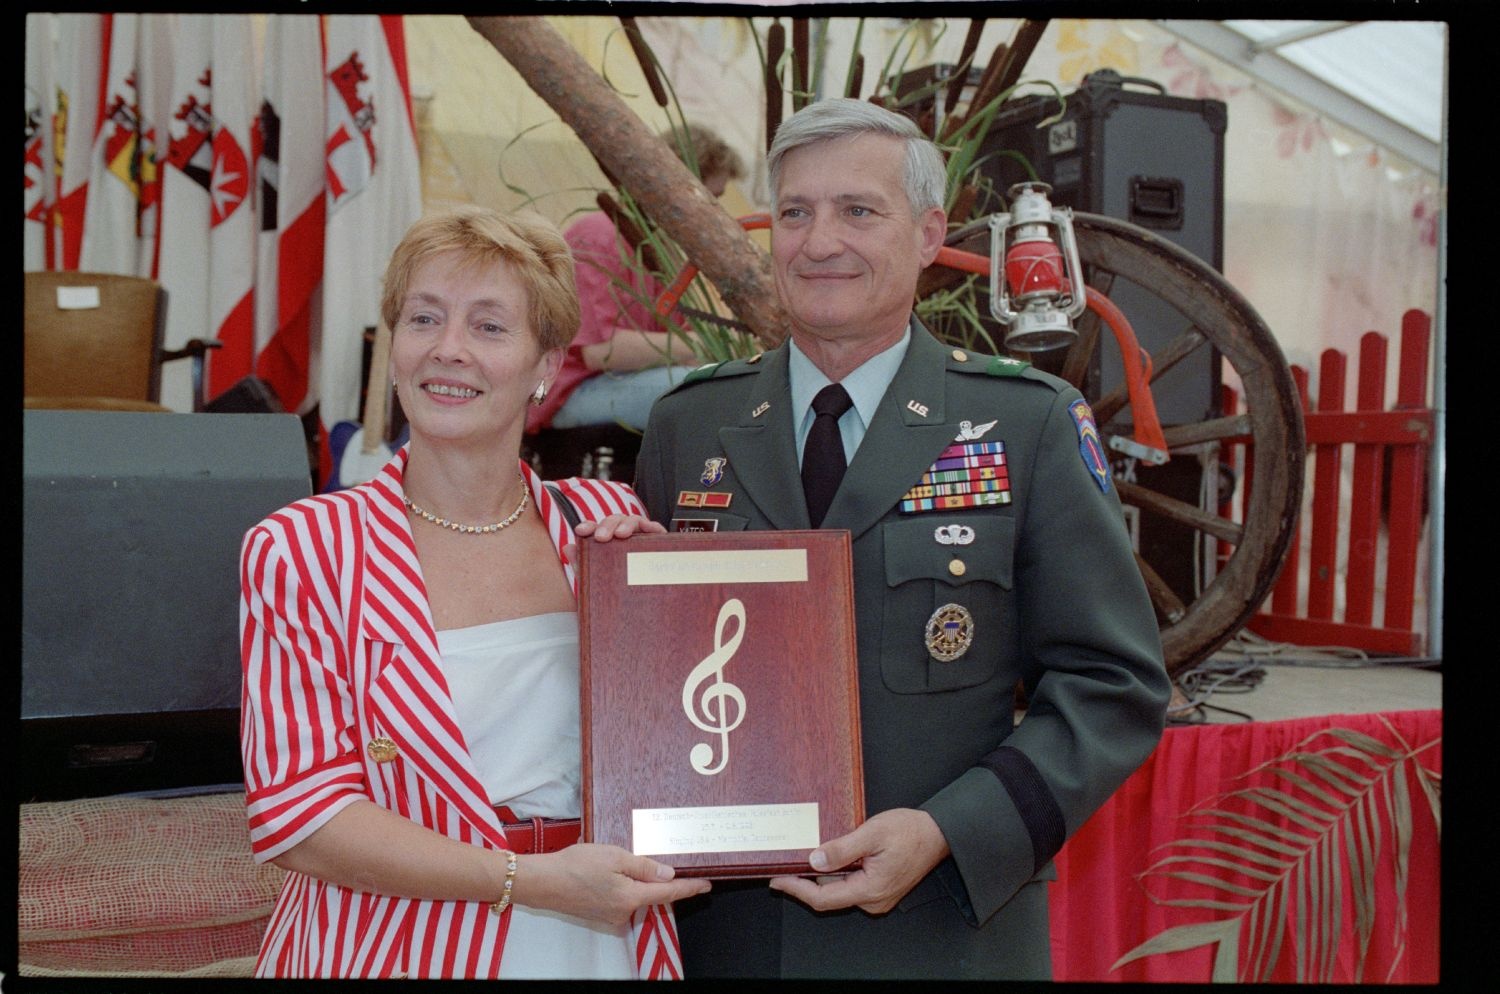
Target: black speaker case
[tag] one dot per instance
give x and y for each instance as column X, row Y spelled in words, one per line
column 1156, row 161
column 1122, row 152
column 132, row 526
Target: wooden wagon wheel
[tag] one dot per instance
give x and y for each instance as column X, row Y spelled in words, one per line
column 1213, row 314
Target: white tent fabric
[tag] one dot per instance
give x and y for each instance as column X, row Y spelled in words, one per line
column 1383, row 79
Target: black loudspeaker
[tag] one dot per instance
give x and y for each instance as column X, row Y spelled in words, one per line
column 1141, row 156
column 1124, row 149
column 130, row 662
column 249, row 395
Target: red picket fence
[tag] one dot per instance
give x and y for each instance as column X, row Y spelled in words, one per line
column 1389, row 452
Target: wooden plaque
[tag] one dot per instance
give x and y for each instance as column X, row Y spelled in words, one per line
column 720, row 698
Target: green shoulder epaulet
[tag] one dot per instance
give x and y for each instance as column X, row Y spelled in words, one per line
column 718, row 371
column 965, row 361
column 703, row 372
column 1000, row 365
column 979, row 363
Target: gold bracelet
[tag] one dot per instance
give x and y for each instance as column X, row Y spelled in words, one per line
column 510, row 879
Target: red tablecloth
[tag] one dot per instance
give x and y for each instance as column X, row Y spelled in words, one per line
column 1280, row 851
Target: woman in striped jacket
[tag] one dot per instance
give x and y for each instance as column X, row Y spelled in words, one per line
column 410, row 648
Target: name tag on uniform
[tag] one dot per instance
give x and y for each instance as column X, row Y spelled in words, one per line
column 695, row 524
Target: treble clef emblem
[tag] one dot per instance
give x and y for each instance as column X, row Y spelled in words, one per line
column 713, row 704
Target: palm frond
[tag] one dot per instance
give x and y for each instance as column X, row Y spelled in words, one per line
column 1290, row 854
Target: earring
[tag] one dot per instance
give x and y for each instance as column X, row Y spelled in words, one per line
column 539, row 394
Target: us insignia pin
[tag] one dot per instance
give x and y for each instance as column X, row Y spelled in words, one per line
column 1089, row 445
column 950, row 632
column 713, row 470
column 765, row 406
column 921, row 409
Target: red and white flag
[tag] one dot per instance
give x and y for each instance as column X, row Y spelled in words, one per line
column 82, row 52
column 232, row 223
column 290, row 171
column 183, row 253
column 207, row 252
column 154, row 68
column 40, row 190
column 121, row 217
column 374, row 193
column 111, row 216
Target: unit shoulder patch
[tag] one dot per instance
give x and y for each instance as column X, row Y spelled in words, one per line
column 1089, row 445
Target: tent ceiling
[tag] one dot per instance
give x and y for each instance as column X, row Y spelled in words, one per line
column 1382, row 79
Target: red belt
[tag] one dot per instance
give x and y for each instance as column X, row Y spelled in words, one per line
column 538, row 835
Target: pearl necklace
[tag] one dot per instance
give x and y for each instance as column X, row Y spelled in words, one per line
column 473, row 529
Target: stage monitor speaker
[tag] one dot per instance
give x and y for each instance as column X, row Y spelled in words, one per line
column 130, row 660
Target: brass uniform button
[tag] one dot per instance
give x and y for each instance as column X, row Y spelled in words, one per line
column 753, row 359
column 381, row 750
column 957, row 567
column 960, row 355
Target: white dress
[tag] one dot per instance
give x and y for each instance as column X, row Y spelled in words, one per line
column 515, row 690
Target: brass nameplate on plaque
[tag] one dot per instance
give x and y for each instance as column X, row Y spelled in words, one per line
column 644, row 569
column 731, row 828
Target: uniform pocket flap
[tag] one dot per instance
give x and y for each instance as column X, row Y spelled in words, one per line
column 956, row 549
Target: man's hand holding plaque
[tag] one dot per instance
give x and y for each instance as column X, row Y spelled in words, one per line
column 895, row 849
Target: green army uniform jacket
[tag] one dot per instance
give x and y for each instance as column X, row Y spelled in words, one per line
column 1057, row 604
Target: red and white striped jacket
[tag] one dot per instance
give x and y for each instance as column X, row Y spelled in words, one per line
column 338, row 647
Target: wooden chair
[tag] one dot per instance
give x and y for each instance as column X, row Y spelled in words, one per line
column 94, row 341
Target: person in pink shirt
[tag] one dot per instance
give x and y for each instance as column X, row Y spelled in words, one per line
column 622, row 358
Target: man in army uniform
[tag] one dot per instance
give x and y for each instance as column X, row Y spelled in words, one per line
column 989, row 549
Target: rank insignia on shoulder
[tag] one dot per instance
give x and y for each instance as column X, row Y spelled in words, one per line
column 1005, row 366
column 703, row 372
column 1089, row 445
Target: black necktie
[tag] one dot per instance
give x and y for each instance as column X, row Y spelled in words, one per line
column 823, row 462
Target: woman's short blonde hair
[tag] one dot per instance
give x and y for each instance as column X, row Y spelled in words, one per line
column 528, row 242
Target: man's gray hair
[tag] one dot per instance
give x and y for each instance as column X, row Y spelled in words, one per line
column 924, row 175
